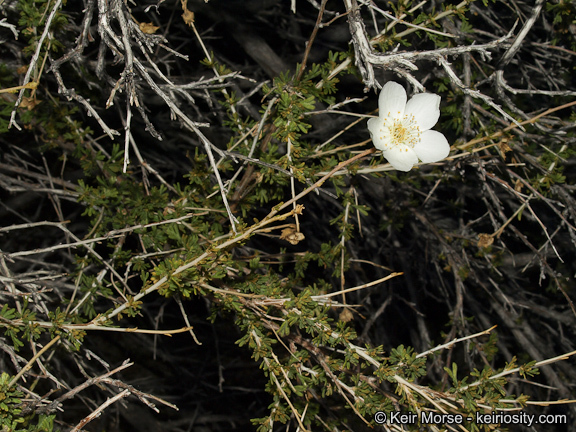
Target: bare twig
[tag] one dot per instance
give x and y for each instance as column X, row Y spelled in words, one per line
column 96, row 413
column 513, row 49
column 34, row 61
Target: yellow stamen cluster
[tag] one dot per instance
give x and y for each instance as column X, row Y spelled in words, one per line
column 400, row 131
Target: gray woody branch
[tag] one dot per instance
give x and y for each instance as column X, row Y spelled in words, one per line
column 366, row 58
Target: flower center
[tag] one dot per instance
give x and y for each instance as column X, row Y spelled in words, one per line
column 403, row 132
column 399, row 132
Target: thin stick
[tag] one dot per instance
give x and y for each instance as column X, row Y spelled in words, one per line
column 185, row 316
column 359, row 287
column 292, row 182
column 326, row 177
column 33, row 62
column 311, row 40
column 32, row 360
column 454, row 341
column 98, row 411
column 513, row 126
column 511, row 371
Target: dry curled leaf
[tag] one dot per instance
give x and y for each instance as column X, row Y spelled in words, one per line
column 148, row 28
column 504, row 147
column 188, row 15
column 29, row 103
column 485, row 240
column 291, row 235
column 346, row 315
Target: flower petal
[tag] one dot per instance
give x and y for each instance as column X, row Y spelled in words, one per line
column 425, row 107
column 392, row 100
column 433, row 147
column 375, row 125
column 401, row 157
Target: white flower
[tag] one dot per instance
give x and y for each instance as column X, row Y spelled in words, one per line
column 402, row 130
